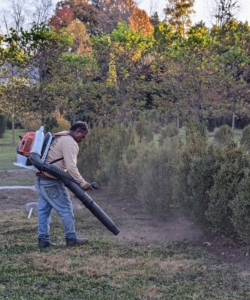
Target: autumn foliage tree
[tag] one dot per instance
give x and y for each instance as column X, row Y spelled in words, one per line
column 140, row 21
column 101, row 16
column 178, row 13
column 62, row 18
column 112, row 12
column 81, row 42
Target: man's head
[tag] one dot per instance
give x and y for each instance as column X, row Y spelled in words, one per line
column 79, row 130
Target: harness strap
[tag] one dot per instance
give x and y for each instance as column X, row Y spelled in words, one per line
column 56, row 160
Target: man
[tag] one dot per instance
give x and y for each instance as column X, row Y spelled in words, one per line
column 52, row 193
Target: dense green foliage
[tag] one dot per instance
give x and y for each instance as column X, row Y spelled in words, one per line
column 233, row 163
column 118, row 73
column 202, row 179
column 224, row 135
column 241, row 209
column 245, row 139
column 169, row 130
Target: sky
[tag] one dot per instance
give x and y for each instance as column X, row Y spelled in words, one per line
column 201, row 8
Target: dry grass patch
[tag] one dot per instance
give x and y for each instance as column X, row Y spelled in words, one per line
column 12, row 220
column 151, row 293
column 50, row 263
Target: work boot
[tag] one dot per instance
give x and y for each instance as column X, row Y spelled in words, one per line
column 76, row 241
column 45, row 244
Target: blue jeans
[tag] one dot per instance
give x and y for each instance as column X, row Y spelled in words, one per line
column 53, row 194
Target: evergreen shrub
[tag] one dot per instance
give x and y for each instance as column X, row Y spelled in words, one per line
column 224, row 135
column 153, row 170
column 197, row 138
column 112, row 147
column 240, row 207
column 232, row 164
column 129, row 176
column 144, row 130
column 245, row 139
column 2, row 125
column 196, row 142
column 168, row 131
column 210, row 183
column 201, row 180
column 101, row 153
column 90, row 152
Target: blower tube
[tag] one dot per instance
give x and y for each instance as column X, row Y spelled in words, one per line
column 76, row 189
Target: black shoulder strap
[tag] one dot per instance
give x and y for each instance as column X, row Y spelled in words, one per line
column 56, row 160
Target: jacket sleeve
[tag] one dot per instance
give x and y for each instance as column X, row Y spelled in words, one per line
column 70, row 152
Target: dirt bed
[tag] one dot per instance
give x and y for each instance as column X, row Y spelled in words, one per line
column 136, row 225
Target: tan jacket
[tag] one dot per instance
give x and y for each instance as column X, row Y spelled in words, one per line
column 66, row 147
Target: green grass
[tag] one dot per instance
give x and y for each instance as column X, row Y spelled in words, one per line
column 8, row 153
column 105, row 269
column 182, row 131
column 7, row 157
column 7, row 138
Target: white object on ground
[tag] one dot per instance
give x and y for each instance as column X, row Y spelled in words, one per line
column 30, row 212
column 30, row 207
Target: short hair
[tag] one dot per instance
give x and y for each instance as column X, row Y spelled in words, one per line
column 80, row 125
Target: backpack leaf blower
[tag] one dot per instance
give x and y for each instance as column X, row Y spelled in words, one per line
column 31, row 154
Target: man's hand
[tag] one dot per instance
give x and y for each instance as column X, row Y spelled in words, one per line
column 87, row 187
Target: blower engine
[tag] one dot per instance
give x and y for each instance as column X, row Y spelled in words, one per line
column 31, row 154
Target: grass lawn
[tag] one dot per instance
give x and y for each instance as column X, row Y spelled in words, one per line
column 7, row 157
column 8, row 153
column 7, row 138
column 105, row 269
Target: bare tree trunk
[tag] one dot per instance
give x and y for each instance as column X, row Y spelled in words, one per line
column 13, row 125
column 4, row 19
column 153, row 7
column 13, row 106
column 198, row 104
column 233, row 121
column 42, row 107
column 233, row 115
column 13, row 132
column 42, row 12
column 223, row 11
column 75, row 96
column 178, row 117
column 17, row 14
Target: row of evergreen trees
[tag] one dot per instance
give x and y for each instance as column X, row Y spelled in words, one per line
column 206, row 179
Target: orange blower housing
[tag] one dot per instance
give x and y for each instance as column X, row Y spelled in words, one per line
column 26, row 143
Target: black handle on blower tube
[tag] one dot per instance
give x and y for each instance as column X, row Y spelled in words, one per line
column 95, row 185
